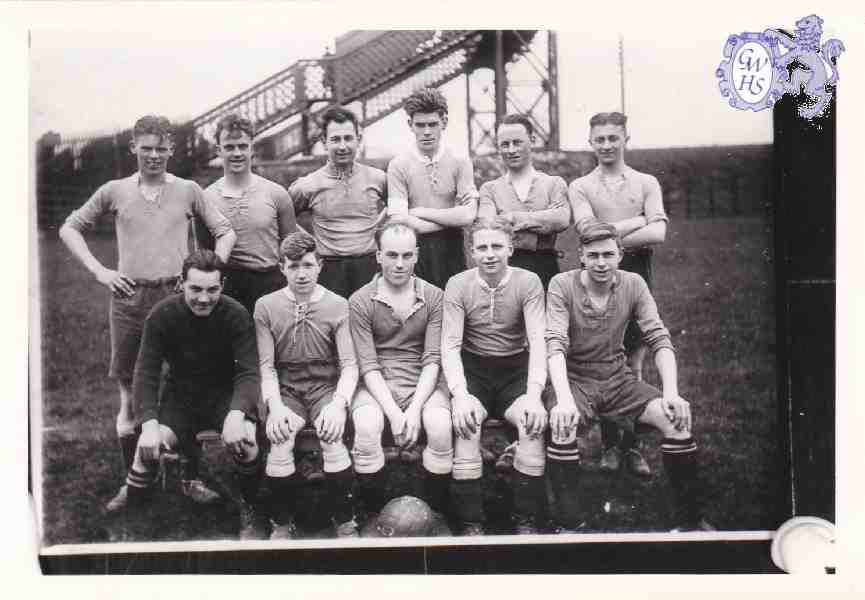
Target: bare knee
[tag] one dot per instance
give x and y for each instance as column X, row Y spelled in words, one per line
column 655, row 416
column 438, row 427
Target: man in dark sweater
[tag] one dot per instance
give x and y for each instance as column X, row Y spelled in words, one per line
column 208, row 341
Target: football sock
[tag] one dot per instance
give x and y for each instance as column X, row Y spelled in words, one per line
column 563, row 475
column 610, row 434
column 467, row 499
column 283, row 498
column 371, row 490
column 128, row 444
column 627, row 441
column 527, row 494
column 248, row 476
column 338, row 486
column 680, row 463
column 436, row 488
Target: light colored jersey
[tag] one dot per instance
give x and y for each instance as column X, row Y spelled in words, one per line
column 634, row 194
column 292, row 335
column 152, row 235
column 441, row 182
column 344, row 210
column 499, row 321
column 545, row 202
column 261, row 216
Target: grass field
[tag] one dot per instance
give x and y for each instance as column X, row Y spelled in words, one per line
column 713, row 283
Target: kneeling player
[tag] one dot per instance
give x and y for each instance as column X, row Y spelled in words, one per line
column 308, row 375
column 396, row 328
column 491, row 313
column 208, row 341
column 587, row 312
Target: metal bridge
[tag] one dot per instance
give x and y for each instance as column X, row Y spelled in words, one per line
column 372, row 72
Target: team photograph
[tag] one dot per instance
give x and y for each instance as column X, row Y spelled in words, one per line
column 416, row 285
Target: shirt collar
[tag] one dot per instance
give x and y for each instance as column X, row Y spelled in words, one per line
column 533, row 174
column 220, row 186
column 501, row 284
column 377, row 294
column 430, row 161
column 333, row 173
column 136, row 177
column 317, row 294
column 616, row 279
column 627, row 172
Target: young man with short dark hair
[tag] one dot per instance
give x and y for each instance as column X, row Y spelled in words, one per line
column 432, row 191
column 534, row 203
column 152, row 209
column 493, row 357
column 630, row 201
column 588, row 310
column 260, row 211
column 308, row 375
column 208, row 342
column 346, row 200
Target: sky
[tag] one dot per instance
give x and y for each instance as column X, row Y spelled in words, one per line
column 85, row 79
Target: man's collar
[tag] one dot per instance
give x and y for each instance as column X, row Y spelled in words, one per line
column 136, row 177
column 501, row 284
column 627, row 172
column 220, row 186
column 533, row 174
column 317, row 293
column 416, row 283
column 617, row 276
column 331, row 171
column 428, row 161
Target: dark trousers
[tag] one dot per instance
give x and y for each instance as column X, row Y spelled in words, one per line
column 247, row 286
column 543, row 263
column 441, row 256
column 344, row 275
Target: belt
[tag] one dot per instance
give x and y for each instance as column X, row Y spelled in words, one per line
column 235, row 269
column 154, row 283
column 541, row 252
column 639, row 251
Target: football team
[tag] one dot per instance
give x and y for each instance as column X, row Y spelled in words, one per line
column 370, row 328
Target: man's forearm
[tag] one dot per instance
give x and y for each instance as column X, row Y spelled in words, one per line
column 377, row 387
column 426, row 384
column 627, row 226
column 458, row 216
column 665, row 361
column 77, row 245
column 347, row 383
column 224, row 245
column 649, row 235
column 552, row 220
column 559, row 377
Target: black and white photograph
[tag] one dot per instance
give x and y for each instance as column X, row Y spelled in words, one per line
column 297, row 285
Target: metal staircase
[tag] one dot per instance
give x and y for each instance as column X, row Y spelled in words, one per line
column 372, row 72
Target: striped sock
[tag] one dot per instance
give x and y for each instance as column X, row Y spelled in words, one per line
column 563, row 474
column 680, row 463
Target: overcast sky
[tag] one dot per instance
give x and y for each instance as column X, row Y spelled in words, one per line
column 100, row 79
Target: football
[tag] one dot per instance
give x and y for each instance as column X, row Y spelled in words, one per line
column 405, row 516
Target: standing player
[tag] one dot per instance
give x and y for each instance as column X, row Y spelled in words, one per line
column 491, row 314
column 534, row 203
column 308, row 375
column 587, row 312
column 631, row 201
column 153, row 210
column 260, row 212
column 347, row 201
column 208, row 342
column 432, row 191
column 396, row 328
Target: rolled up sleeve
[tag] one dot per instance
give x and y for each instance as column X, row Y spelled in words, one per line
column 655, row 334
column 87, row 216
column 344, row 344
column 653, row 204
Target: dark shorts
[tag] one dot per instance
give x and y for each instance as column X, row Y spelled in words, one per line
column 497, row 381
column 639, row 261
column 344, row 275
column 126, row 323
column 247, row 286
column 307, row 391
column 613, row 395
column 188, row 414
column 441, row 256
column 543, row 263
